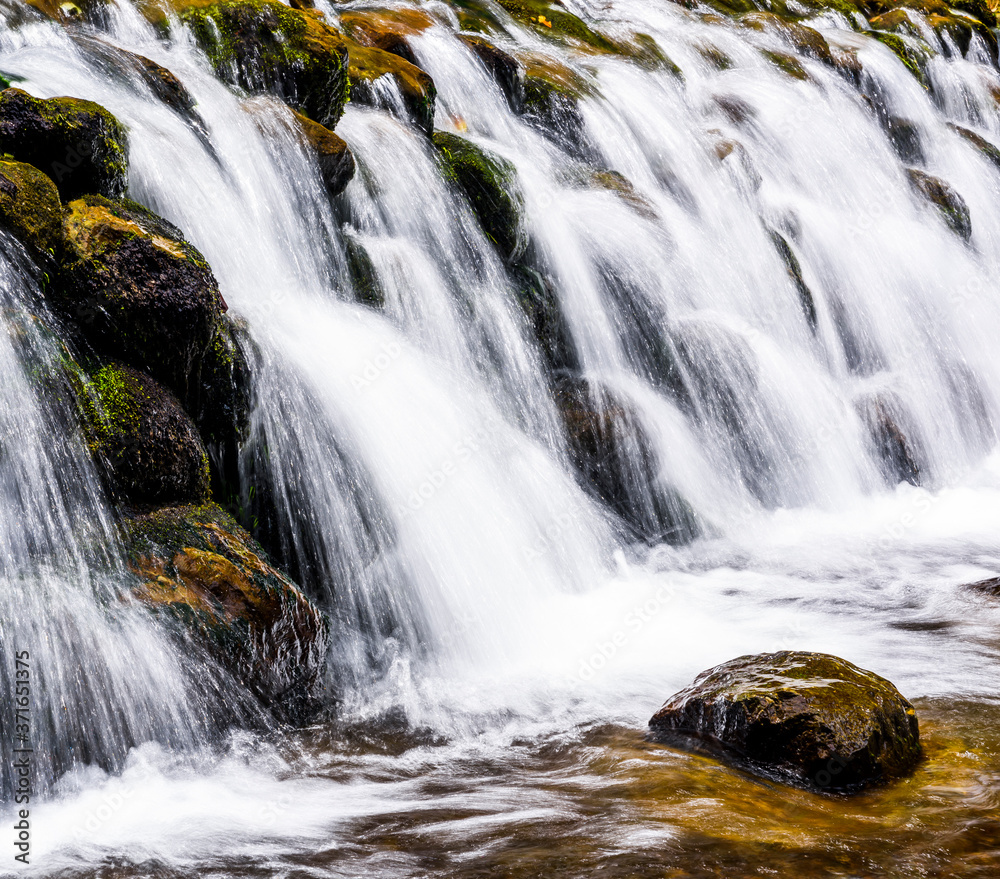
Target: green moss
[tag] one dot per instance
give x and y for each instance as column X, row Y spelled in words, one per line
column 978, row 9
column 30, row 208
column 786, row 63
column 551, row 20
column 490, row 184
column 364, row 278
column 899, row 47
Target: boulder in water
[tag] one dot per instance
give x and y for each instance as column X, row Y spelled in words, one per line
column 386, row 29
column 265, row 47
column 198, row 568
column 552, row 93
column 810, row 719
column 137, row 290
column 144, row 441
column 894, row 450
column 77, row 143
column 30, row 208
column 332, row 154
column 554, row 20
column 367, row 65
column 503, row 69
column 950, row 205
column 491, row 186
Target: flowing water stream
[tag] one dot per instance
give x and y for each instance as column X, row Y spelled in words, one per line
column 499, row 640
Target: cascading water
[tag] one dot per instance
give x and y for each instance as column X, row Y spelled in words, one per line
column 739, row 262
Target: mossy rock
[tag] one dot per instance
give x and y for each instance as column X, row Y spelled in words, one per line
column 202, row 572
column 891, row 440
column 331, row 152
column 146, row 445
column 989, row 151
column 386, row 29
column 364, row 278
column 77, row 143
column 949, row 204
column 221, row 401
column 503, row 69
column 265, row 47
column 615, row 463
column 585, row 176
column 491, row 186
column 71, row 11
column 809, row 719
column 416, row 87
column 806, row 40
column 552, row 19
column 912, row 58
column 552, row 93
column 30, row 209
column 136, row 290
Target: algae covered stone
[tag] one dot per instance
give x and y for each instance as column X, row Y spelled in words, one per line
column 77, row 143
column 368, row 65
column 30, row 208
column 265, row 47
column 197, row 568
column 810, row 719
column 332, row 155
column 137, row 290
column 140, row 435
column 491, row 186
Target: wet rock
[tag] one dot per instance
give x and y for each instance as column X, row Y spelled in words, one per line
column 148, row 448
column 805, row 39
column 786, row 63
column 386, row 29
column 809, row 719
column 416, row 88
column 546, row 321
column 136, row 290
column 364, row 278
column 950, row 205
column 553, row 20
column 912, row 59
column 504, row 69
column 210, row 579
column 988, row 150
column 30, row 209
column 265, row 47
column 490, row 184
column 615, row 461
column 71, row 11
column 552, row 93
column 794, row 270
column 898, row 459
column 334, row 157
column 989, row 587
column 77, row 143
column 904, row 136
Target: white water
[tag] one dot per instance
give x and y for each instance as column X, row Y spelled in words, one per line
column 497, row 605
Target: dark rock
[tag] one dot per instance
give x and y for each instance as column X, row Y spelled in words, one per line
column 905, row 139
column 553, row 20
column 950, row 205
column 551, row 103
column 334, row 157
column 386, row 29
column 502, row 68
column 491, row 186
column 892, row 449
column 364, row 278
column 200, row 570
column 794, row 270
column 30, row 209
column 989, row 588
column 546, row 321
column 148, row 448
column 416, row 88
column 988, row 150
column 615, row 462
column 265, row 47
column 810, row 719
column 77, row 143
column 137, row 290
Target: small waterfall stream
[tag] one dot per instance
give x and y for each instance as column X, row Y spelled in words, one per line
column 741, row 264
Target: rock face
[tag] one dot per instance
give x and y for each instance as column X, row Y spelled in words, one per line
column 334, row 157
column 30, row 208
column 137, row 289
column 265, row 47
column 199, row 569
column 416, row 88
column 79, row 144
column 490, row 184
column 952, row 207
column 810, row 719
column 139, row 433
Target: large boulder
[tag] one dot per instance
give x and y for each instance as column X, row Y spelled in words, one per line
column 332, row 155
column 146, row 445
column 137, row 290
column 30, row 208
column 614, row 459
column 266, row 47
column 490, row 183
column 369, row 65
column 78, row 143
column 210, row 579
column 810, row 719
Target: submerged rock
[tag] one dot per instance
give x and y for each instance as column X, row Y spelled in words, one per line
column 552, row 93
column 332, row 154
column 491, row 186
column 893, row 449
column 30, row 208
column 810, row 719
column 794, row 270
column 137, row 290
column 77, row 143
column 503, row 69
column 615, row 461
column 367, row 65
column 950, row 205
column 265, row 47
column 546, row 321
column 198, row 568
column 148, row 448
